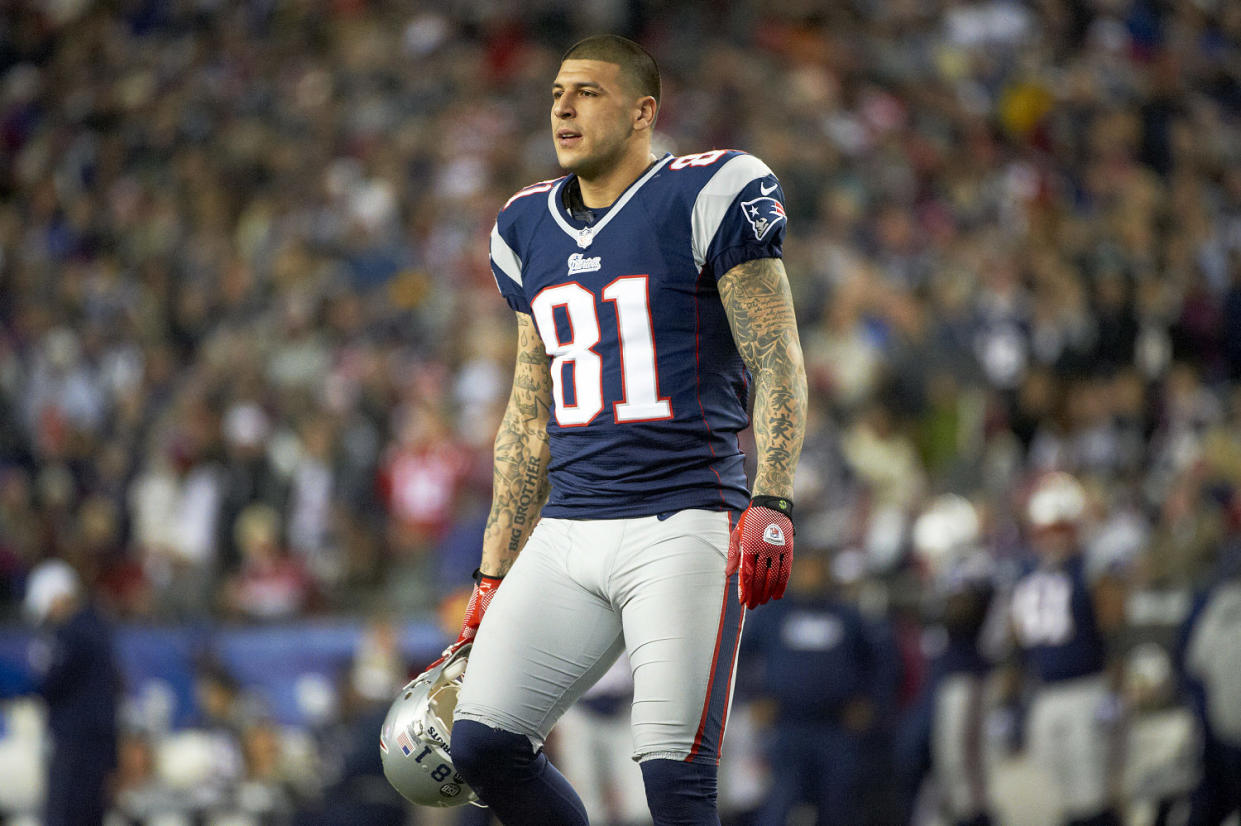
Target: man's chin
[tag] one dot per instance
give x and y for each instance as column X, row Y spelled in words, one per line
column 588, row 166
column 572, row 162
column 580, row 163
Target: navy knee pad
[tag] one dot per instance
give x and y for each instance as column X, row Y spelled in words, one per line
column 680, row 793
column 519, row 784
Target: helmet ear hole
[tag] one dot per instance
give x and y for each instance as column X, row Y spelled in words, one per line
column 444, row 702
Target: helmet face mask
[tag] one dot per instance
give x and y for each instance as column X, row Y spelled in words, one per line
column 414, row 742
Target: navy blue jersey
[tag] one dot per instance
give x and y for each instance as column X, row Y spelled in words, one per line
column 818, row 654
column 1054, row 621
column 966, row 611
column 648, row 389
column 76, row 673
column 961, row 655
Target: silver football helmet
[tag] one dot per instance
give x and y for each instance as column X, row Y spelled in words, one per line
column 945, row 534
column 1057, row 500
column 414, row 741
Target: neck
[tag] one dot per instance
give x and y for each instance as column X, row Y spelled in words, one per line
column 603, row 189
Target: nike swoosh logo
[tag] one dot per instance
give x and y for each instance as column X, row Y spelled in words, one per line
column 765, row 189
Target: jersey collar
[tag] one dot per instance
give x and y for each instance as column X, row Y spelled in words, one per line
column 586, row 235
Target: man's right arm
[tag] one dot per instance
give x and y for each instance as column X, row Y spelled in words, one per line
column 519, row 475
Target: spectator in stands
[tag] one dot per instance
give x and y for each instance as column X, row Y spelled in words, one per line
column 222, row 716
column 266, row 792
column 140, row 795
column 174, row 504
column 270, row 584
column 422, row 479
column 18, row 532
column 247, row 476
column 310, row 525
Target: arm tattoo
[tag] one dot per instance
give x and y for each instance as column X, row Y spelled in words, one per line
column 759, row 305
column 519, row 475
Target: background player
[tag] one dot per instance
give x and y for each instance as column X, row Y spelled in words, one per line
column 946, row 734
column 592, row 749
column 75, row 671
column 1065, row 616
column 829, row 675
column 644, row 287
column 1210, row 660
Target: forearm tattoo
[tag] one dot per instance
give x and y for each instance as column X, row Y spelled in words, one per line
column 759, row 305
column 519, row 476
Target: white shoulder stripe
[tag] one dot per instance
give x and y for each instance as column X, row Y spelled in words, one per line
column 503, row 257
column 717, row 196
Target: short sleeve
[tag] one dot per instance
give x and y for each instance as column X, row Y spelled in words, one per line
column 739, row 216
column 506, row 269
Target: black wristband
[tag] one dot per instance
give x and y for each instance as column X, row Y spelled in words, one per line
column 775, row 503
column 478, row 575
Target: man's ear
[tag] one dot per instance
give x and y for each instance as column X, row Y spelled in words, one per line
column 647, row 110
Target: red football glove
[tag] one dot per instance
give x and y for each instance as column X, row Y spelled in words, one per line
column 761, row 547
column 484, row 589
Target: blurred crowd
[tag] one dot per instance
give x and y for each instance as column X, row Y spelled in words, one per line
column 252, row 357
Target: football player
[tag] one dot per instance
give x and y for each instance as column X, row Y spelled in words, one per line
column 1065, row 616
column 955, row 705
column 1210, row 661
column 75, row 671
column 649, row 292
column 830, row 674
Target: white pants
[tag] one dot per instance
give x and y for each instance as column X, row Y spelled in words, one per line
column 1074, row 740
column 584, row 590
column 958, row 750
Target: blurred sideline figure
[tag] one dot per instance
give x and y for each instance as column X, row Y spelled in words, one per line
column 75, row 673
column 1065, row 613
column 825, row 672
column 952, row 713
column 593, row 743
column 356, row 791
column 1212, row 667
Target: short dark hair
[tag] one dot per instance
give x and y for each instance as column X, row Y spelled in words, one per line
column 635, row 62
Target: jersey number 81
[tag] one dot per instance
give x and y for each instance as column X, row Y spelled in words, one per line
column 639, row 373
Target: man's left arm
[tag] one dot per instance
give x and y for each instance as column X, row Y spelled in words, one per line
column 759, row 305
